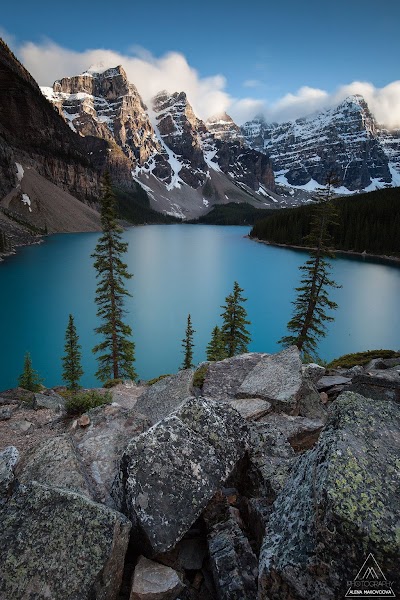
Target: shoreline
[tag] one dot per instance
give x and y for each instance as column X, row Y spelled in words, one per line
column 14, row 250
column 384, row 257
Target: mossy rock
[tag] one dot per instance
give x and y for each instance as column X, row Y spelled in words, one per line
column 360, row 358
column 340, row 504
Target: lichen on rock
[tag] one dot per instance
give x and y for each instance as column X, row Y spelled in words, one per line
column 340, row 503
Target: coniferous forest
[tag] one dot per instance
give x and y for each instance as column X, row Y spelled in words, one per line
column 367, row 222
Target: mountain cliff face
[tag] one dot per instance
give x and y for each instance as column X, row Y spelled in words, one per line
column 202, row 151
column 32, row 133
column 102, row 103
column 181, row 132
column 224, row 128
column 178, row 161
column 345, row 140
column 46, row 176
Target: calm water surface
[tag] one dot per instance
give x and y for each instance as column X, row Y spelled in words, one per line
column 179, row 269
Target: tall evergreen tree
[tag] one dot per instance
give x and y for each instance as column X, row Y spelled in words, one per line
column 71, row 361
column 307, row 324
column 188, row 345
column 117, row 350
column 235, row 335
column 29, row 379
column 216, row 347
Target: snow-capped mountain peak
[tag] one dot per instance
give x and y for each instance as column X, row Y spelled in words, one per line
column 181, row 165
column 223, row 127
column 345, row 139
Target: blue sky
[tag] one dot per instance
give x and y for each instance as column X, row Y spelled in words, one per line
column 263, row 50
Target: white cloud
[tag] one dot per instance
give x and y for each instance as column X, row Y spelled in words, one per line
column 306, row 100
column 383, row 102
column 48, row 61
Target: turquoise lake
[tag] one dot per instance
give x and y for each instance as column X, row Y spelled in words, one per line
column 179, row 269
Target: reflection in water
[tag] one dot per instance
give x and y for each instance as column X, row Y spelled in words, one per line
column 180, row 269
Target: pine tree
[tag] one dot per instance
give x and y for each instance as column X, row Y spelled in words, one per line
column 118, row 351
column 71, row 361
column 234, row 333
column 216, row 348
column 187, row 344
column 310, row 307
column 29, row 379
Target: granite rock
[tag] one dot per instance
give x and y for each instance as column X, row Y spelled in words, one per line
column 233, row 562
column 153, row 581
column 313, row 371
column 163, row 397
column 102, row 443
column 251, row 408
column 56, row 462
column 169, row 473
column 53, row 401
column 224, row 378
column 339, row 504
column 8, row 460
column 329, row 381
column 276, row 378
column 58, row 544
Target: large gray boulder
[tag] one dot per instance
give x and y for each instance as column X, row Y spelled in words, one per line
column 169, row 473
column 101, row 444
column 59, row 545
column 377, row 385
column 56, row 462
column 340, row 503
column 276, row 441
column 278, row 379
column 224, row 378
column 163, row 397
column 53, row 401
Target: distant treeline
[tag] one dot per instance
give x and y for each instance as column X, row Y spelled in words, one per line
column 367, row 222
column 234, row 213
column 134, row 206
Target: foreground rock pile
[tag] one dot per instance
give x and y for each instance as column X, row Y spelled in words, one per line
column 274, row 480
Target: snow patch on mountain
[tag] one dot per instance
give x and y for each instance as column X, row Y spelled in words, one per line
column 20, row 171
column 27, row 201
column 208, row 157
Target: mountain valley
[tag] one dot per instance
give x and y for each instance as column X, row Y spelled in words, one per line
column 165, row 162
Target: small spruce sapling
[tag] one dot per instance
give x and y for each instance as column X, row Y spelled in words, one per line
column 29, row 378
column 216, row 347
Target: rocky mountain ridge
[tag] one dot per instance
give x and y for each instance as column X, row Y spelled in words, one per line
column 224, row 128
column 273, row 480
column 174, row 156
column 47, row 181
column 346, row 140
